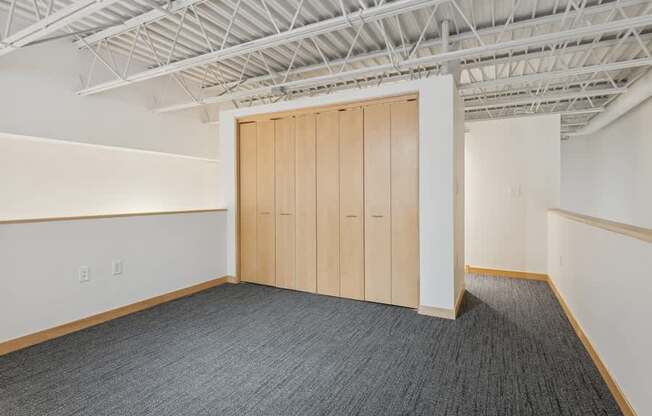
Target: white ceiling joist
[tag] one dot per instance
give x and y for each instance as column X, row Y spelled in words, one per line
column 134, row 22
column 588, row 111
column 429, row 43
column 545, row 76
column 258, row 51
column 564, row 96
column 525, row 79
column 292, row 35
column 544, row 39
column 454, row 39
column 548, row 38
column 51, row 23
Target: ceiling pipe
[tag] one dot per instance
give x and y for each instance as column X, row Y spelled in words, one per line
column 638, row 92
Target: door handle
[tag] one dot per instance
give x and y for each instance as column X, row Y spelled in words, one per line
column 285, row 213
column 351, row 216
column 377, row 216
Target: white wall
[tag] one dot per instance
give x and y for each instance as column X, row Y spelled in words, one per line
column 38, row 86
column 436, row 174
column 40, row 288
column 609, row 174
column 65, row 155
column 52, row 178
column 604, row 277
column 459, row 203
column 512, row 179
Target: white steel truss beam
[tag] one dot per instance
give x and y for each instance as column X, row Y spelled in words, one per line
column 292, row 35
column 525, row 79
column 548, row 38
column 150, row 16
column 436, row 59
column 335, row 63
column 408, row 49
column 536, row 89
column 546, row 76
column 544, row 98
column 51, row 23
column 470, row 118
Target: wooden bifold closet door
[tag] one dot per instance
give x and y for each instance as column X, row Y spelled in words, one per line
column 405, row 203
column 248, row 214
column 329, row 202
column 285, row 202
column 351, row 204
column 377, row 179
column 306, row 204
column 265, row 226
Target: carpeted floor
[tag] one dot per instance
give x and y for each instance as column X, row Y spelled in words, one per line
column 253, row 350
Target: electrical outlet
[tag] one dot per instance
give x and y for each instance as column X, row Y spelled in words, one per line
column 84, row 274
column 117, row 267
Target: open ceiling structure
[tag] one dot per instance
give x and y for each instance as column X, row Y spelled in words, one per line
column 514, row 57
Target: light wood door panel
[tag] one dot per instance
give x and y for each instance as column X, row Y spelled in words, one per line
column 247, row 215
column 285, row 202
column 328, row 204
column 377, row 182
column 351, row 204
column 266, row 251
column 405, row 203
column 306, row 204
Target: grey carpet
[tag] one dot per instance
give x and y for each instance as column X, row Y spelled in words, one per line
column 253, row 350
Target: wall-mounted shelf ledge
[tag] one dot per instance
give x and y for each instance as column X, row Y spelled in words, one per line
column 640, row 233
column 101, row 216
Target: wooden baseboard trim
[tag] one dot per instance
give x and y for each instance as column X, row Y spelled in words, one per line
column 65, row 329
column 458, row 302
column 615, row 390
column 506, row 273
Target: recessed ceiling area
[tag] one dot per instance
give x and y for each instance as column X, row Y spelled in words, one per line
column 512, row 57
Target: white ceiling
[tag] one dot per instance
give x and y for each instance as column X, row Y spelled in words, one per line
column 517, row 57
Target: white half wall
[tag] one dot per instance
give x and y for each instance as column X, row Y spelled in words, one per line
column 436, row 174
column 40, row 288
column 512, row 179
column 609, row 174
column 42, row 178
column 604, row 278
